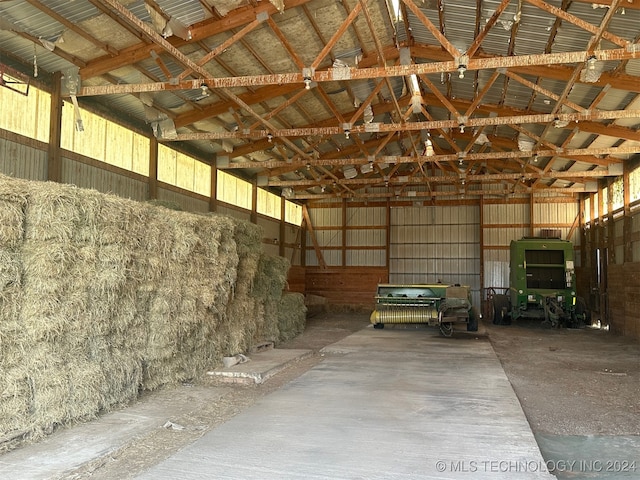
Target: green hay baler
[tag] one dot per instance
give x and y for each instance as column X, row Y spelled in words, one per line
column 542, row 284
column 435, row 305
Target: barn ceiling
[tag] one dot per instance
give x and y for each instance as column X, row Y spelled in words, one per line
column 373, row 99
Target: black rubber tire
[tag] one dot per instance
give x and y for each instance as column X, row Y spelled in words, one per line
column 472, row 325
column 446, row 329
column 582, row 312
column 501, row 310
column 378, row 325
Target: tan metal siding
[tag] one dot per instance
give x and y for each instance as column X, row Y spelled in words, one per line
column 22, row 161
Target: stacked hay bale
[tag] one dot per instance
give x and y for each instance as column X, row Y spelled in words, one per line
column 101, row 297
column 243, row 305
column 292, row 315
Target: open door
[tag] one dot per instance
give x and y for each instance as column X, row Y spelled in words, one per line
column 600, row 298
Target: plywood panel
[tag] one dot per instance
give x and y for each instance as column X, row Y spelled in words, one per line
column 346, row 286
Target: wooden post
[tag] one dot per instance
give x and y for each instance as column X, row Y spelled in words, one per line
column 316, row 246
column 54, row 160
column 153, row 169
column 213, row 196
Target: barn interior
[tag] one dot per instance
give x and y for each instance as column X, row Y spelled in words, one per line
column 191, row 184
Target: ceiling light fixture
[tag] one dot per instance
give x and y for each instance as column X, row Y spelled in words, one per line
column 307, row 75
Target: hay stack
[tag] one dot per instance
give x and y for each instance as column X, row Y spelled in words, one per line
column 292, row 314
column 101, row 297
column 243, row 313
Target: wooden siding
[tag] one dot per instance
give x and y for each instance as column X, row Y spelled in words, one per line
column 346, row 285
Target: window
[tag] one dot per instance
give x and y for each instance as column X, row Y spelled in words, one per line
column 29, row 114
column 587, row 210
column 183, row 171
column 634, row 185
column 605, row 202
column 104, row 140
column 292, row 213
column 268, row 204
column 233, row 190
column 618, row 194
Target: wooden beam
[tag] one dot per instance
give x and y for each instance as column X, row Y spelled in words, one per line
column 316, row 246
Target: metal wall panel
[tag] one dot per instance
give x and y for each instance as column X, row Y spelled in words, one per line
column 188, row 203
column 105, row 181
column 271, row 249
column 366, row 216
column 232, row 212
column 365, row 258
column 366, row 238
column 328, row 238
column 326, row 217
column 21, row 161
column 436, row 244
column 506, row 214
column 271, row 227
column 554, row 213
column 501, row 237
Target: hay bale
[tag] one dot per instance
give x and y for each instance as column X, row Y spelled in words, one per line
column 292, row 314
column 102, row 296
column 12, row 218
column 165, row 204
column 270, row 280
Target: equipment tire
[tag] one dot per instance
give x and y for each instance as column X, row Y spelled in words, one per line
column 378, row 325
column 582, row 312
column 472, row 325
column 501, row 310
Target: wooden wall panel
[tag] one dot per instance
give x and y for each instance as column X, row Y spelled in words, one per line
column 296, row 279
column 624, row 299
column 346, row 285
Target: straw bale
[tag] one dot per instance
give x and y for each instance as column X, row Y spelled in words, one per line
column 102, row 296
column 48, row 260
column 10, row 270
column 166, row 204
column 248, row 237
column 268, row 284
column 10, row 303
column 15, row 395
column 291, row 315
column 52, row 212
column 12, row 221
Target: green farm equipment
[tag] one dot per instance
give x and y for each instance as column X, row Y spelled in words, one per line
column 435, row 305
column 542, row 284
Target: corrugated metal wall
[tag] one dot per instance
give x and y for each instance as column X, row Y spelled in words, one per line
column 188, row 203
column 364, row 242
column 22, row 161
column 105, row 181
column 436, row 244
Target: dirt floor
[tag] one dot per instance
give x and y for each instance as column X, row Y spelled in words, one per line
column 569, row 382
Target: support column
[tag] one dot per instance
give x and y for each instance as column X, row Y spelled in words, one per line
column 54, row 160
column 213, row 194
column 283, row 231
column 153, row 169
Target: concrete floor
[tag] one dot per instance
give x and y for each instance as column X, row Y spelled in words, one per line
column 382, row 404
